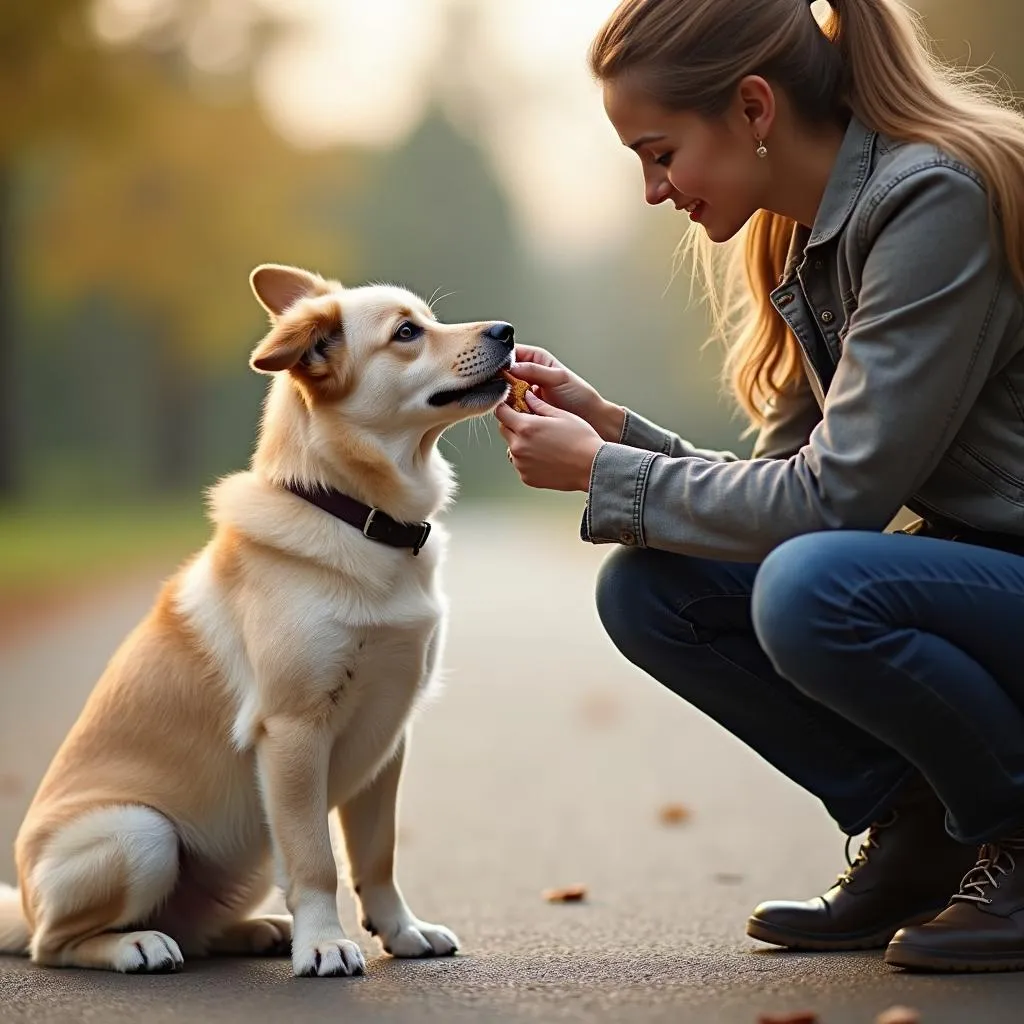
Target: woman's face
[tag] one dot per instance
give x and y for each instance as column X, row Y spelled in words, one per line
column 707, row 167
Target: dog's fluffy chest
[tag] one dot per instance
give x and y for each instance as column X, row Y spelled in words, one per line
column 353, row 659
column 381, row 671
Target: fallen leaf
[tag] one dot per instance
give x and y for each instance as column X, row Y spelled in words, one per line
column 570, row 894
column 728, row 878
column 674, row 814
column 899, row 1015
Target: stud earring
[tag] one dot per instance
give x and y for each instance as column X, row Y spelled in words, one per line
column 762, row 149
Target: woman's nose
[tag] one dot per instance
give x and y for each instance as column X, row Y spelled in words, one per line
column 658, row 191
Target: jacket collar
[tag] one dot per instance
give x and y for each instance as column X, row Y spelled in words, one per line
column 845, row 186
column 846, row 182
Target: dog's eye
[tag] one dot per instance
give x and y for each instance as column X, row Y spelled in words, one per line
column 408, row 331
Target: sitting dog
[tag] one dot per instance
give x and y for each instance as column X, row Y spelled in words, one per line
column 276, row 675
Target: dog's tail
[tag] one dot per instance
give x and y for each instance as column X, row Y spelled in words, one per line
column 14, row 931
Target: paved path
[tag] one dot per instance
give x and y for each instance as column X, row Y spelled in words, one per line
column 543, row 769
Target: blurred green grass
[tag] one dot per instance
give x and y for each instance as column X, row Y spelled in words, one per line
column 44, row 549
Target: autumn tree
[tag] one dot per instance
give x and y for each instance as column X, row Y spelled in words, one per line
column 155, row 182
column 168, row 219
column 53, row 81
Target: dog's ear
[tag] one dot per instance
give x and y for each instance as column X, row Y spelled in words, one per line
column 278, row 287
column 301, row 342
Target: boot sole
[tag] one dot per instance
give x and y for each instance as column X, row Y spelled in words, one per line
column 777, row 935
column 915, row 958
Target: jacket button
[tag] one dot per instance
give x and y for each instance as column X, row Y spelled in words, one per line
column 827, row 316
column 627, row 537
column 819, row 264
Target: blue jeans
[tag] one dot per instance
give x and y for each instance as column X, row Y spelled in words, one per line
column 851, row 661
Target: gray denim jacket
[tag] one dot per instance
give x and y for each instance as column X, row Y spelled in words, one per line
column 911, row 330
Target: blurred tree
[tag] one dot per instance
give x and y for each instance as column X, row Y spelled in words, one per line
column 155, row 183
column 52, row 80
column 168, row 218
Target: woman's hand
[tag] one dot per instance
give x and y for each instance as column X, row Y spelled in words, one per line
column 549, row 447
column 558, row 386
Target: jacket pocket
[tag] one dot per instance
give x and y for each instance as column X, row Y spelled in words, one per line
column 985, row 470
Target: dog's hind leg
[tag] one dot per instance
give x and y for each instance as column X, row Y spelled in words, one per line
column 106, row 871
column 368, row 822
column 269, row 935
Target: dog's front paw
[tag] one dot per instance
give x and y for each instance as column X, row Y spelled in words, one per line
column 145, row 953
column 417, row 938
column 328, row 959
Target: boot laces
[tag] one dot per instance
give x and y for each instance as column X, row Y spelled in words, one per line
column 870, row 843
column 996, row 861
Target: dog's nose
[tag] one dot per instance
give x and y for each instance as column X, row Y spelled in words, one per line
column 505, row 333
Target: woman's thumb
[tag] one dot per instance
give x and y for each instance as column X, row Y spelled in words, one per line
column 541, row 408
column 535, row 373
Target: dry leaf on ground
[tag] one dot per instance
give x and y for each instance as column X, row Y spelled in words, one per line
column 674, row 814
column 569, row 894
column 899, row 1015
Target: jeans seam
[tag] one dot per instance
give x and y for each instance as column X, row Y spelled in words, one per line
column 693, row 599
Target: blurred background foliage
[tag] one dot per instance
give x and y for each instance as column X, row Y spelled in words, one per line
column 153, row 151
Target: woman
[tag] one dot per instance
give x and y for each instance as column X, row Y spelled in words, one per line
column 878, row 346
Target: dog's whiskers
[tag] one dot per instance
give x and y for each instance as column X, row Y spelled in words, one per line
column 440, row 298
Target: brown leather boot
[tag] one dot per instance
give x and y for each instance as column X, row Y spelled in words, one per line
column 982, row 929
column 905, row 872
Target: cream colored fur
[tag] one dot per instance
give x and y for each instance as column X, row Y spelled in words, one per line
column 276, row 675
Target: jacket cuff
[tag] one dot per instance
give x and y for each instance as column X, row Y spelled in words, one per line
column 638, row 432
column 615, row 498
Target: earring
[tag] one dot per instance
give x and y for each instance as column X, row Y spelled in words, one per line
column 762, row 149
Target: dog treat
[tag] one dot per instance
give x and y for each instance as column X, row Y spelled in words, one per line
column 570, row 894
column 801, row 1017
column 899, row 1015
column 519, row 389
column 674, row 814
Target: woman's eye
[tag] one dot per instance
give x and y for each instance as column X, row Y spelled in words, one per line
column 408, row 331
column 664, row 160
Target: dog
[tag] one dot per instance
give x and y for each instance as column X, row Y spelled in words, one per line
column 276, row 676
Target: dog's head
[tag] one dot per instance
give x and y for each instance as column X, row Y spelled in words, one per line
column 377, row 353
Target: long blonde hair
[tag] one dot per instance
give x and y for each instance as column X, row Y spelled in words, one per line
column 870, row 58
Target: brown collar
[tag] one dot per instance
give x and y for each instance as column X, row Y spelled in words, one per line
column 374, row 524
